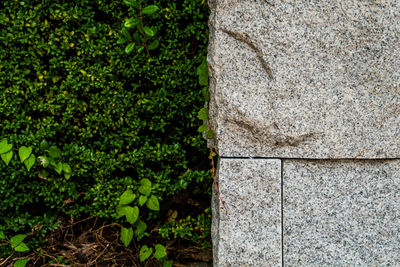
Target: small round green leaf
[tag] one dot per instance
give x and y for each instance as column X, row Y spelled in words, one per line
column 152, row 203
column 2, row 235
column 202, row 128
column 29, row 162
column 140, row 228
column 160, row 252
column 129, row 23
column 43, row 145
column 129, row 48
column 126, row 235
column 145, row 253
column 127, row 197
column 148, row 31
column 44, row 161
column 6, row 157
column 153, row 45
column 148, row 10
column 24, row 153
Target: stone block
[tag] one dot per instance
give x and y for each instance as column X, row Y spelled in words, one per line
column 341, row 213
column 305, row 78
column 249, row 234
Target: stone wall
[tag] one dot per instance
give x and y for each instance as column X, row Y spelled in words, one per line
column 305, row 104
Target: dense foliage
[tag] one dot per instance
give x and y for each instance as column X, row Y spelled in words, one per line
column 118, row 118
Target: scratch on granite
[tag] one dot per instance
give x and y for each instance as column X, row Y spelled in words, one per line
column 268, row 134
column 243, row 37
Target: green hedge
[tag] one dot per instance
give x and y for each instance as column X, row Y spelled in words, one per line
column 117, row 118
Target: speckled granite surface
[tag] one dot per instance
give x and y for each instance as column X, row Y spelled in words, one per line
column 250, row 234
column 305, row 78
column 341, row 213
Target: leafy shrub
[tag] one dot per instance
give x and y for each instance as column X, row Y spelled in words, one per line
column 117, row 118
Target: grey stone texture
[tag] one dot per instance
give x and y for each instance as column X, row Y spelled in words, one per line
column 341, row 213
column 248, row 233
column 305, row 78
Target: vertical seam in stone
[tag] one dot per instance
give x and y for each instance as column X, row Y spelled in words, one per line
column 282, row 212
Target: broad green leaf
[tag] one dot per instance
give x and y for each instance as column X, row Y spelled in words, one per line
column 148, row 31
column 21, row 263
column 206, row 94
column 160, row 252
column 148, row 10
column 58, row 167
column 145, row 181
column 145, row 253
column 43, row 145
column 145, row 190
column 153, row 45
column 29, row 162
column 6, row 157
column 54, row 152
column 120, row 211
column 67, row 170
column 2, row 235
column 24, row 153
column 44, row 161
column 127, row 197
column 126, row 235
column 4, row 146
column 145, row 187
column 209, row 134
column 202, row 128
column 168, row 263
column 21, row 247
column 203, row 114
column 16, row 240
column 129, row 48
column 132, row 214
column 142, row 200
column 121, row 40
column 152, row 203
column 202, row 72
column 129, row 23
column 140, row 228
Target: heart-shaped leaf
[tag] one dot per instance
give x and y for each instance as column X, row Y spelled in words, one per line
column 152, row 203
column 16, row 240
column 142, row 200
column 148, row 10
column 127, row 197
column 54, row 152
column 58, row 167
column 126, row 235
column 21, row 263
column 6, row 157
column 161, row 251
column 145, row 253
column 29, row 162
column 4, row 146
column 21, row 247
column 24, row 153
column 131, row 214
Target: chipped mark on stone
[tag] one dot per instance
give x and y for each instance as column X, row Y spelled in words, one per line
column 243, row 37
column 360, row 154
